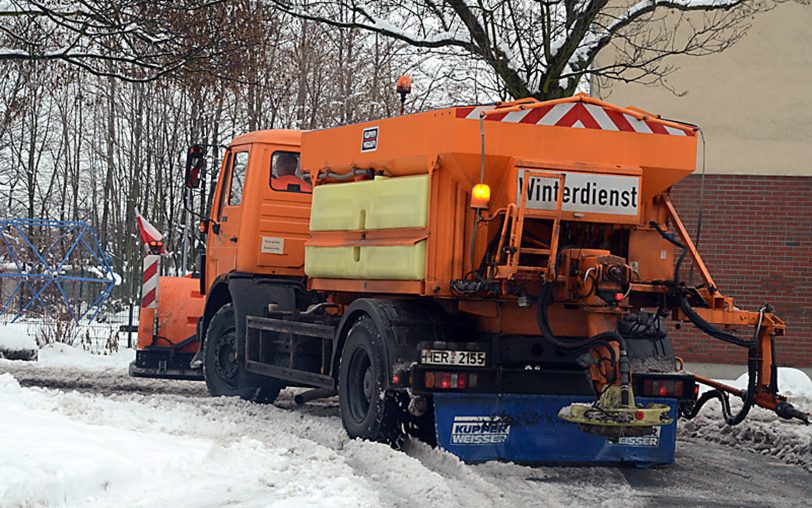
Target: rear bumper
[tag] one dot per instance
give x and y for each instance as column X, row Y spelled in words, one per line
column 522, row 428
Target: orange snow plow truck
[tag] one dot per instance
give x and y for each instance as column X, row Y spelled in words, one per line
column 493, row 279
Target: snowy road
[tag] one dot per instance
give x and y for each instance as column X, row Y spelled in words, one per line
column 92, row 436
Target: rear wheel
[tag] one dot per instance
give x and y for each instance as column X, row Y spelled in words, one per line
column 367, row 411
column 221, row 364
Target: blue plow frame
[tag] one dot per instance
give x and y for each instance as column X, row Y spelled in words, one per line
column 527, row 429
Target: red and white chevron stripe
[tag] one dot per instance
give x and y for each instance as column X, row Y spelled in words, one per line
column 577, row 115
column 149, row 287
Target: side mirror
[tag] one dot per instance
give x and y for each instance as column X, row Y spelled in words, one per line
column 195, row 166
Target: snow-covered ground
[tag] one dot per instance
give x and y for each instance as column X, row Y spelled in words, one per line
column 77, row 431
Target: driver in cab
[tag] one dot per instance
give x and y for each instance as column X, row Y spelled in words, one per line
column 284, row 177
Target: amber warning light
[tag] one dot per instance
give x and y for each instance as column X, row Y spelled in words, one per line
column 480, row 196
column 404, row 88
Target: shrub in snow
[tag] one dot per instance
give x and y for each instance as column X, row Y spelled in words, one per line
column 61, row 329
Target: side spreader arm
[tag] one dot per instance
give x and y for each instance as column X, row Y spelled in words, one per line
column 762, row 389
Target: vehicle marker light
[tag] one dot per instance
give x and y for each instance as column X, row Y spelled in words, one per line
column 480, row 196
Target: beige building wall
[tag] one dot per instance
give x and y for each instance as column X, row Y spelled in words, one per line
column 753, row 101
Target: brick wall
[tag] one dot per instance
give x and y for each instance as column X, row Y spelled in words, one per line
column 757, row 242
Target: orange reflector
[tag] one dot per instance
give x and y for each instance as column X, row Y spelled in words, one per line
column 480, row 196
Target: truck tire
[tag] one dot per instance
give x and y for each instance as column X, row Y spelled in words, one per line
column 367, row 411
column 221, row 366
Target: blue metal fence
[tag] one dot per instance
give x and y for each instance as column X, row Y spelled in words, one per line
column 51, row 259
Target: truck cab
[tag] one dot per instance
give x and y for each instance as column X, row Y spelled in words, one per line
column 255, row 235
column 260, row 209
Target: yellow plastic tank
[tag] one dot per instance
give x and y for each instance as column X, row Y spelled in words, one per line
column 370, row 205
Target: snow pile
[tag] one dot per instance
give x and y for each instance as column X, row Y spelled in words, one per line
column 63, row 355
column 790, row 382
column 16, row 345
column 762, row 431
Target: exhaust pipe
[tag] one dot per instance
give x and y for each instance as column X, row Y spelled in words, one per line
column 316, row 393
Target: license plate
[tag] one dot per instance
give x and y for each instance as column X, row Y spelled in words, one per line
column 446, row 357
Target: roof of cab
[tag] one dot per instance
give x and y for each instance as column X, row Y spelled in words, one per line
column 271, row 136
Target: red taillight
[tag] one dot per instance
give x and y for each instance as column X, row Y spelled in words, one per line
column 662, row 388
column 449, row 380
column 639, row 415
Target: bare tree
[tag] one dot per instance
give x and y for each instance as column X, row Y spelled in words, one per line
column 132, row 40
column 82, row 145
column 546, row 48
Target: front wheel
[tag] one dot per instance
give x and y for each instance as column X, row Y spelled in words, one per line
column 367, row 411
column 221, row 363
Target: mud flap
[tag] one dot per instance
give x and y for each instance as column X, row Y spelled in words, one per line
column 527, row 429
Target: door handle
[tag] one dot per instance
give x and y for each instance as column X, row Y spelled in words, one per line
column 233, row 239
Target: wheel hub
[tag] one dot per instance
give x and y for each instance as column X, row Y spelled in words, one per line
column 368, row 384
column 225, row 358
column 361, row 385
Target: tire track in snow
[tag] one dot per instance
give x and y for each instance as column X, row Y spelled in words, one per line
column 418, row 476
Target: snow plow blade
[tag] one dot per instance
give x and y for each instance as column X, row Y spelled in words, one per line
column 161, row 365
column 527, row 429
column 167, row 336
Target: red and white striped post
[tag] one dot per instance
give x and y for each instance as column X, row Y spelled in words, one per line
column 154, row 247
column 149, row 286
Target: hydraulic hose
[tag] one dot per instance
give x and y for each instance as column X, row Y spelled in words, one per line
column 716, row 333
column 752, row 367
column 748, row 398
column 601, row 339
column 672, row 239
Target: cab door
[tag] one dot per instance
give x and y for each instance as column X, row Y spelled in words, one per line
column 227, row 212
